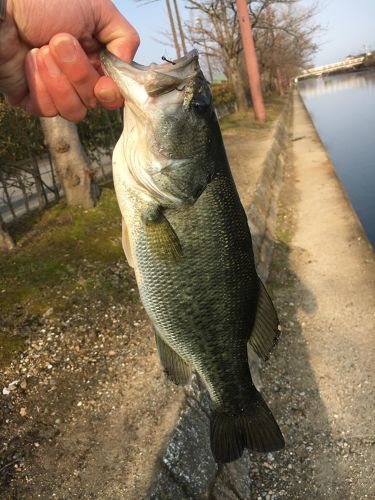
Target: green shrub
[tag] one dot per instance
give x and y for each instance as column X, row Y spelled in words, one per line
column 21, row 136
column 223, row 94
column 100, row 131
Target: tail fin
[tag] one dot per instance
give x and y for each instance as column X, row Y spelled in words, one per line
column 255, row 429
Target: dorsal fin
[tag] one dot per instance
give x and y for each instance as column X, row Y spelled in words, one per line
column 265, row 332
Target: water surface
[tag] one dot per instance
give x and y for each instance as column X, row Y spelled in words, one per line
column 343, row 111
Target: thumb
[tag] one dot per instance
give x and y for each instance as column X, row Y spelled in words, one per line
column 114, row 31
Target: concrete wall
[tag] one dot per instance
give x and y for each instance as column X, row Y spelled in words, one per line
column 186, row 469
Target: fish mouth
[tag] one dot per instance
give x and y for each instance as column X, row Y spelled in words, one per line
column 157, row 79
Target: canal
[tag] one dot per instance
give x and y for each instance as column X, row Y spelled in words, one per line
column 343, row 111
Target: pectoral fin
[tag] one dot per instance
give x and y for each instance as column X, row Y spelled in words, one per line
column 161, row 236
column 265, row 332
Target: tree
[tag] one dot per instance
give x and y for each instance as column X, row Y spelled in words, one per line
column 70, row 161
column 284, row 39
column 21, row 142
column 283, row 33
column 219, row 27
column 180, row 28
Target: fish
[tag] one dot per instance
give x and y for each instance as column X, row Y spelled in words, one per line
column 186, row 235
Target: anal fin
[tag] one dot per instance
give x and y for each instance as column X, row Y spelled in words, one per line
column 176, row 368
column 265, row 332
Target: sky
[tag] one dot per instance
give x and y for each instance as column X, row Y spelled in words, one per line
column 349, row 26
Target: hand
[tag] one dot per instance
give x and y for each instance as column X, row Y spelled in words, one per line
column 49, row 55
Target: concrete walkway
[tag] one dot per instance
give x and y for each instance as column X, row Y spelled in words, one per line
column 338, row 269
column 321, row 378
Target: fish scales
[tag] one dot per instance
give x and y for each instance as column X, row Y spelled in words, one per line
column 195, row 302
column 186, row 235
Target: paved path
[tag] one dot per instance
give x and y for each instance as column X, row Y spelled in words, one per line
column 339, row 270
column 321, row 378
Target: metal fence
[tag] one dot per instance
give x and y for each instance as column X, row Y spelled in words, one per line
column 36, row 185
column 28, row 179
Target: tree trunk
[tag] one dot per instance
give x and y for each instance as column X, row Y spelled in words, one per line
column 236, row 80
column 6, row 242
column 41, row 194
column 279, row 80
column 173, row 28
column 70, row 161
column 8, row 198
column 180, row 29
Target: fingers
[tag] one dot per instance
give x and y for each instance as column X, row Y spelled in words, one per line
column 75, row 66
column 62, row 80
column 62, row 92
column 12, row 78
column 108, row 94
column 114, row 31
column 38, row 102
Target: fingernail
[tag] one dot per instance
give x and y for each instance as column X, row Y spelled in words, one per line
column 33, row 54
column 49, row 61
column 65, row 48
column 107, row 95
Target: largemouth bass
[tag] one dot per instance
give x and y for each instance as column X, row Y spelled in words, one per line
column 186, row 235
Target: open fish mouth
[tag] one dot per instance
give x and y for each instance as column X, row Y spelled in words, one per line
column 156, row 79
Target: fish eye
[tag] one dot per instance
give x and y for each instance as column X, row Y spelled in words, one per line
column 201, row 104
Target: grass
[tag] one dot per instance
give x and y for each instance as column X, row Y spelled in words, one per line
column 64, row 256
column 246, row 120
column 9, row 347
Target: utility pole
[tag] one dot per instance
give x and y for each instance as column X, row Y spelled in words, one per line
column 251, row 60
